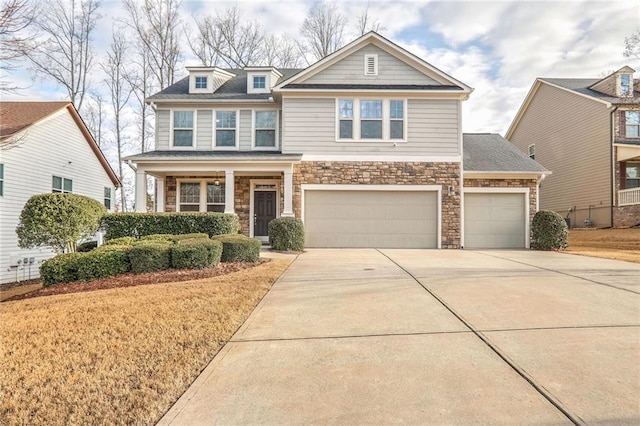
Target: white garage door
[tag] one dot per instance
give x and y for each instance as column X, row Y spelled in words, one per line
column 382, row 219
column 494, row 220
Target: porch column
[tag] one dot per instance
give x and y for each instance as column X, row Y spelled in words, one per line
column 141, row 191
column 160, row 195
column 229, row 194
column 288, row 194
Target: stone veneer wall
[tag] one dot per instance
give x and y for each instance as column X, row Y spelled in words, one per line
column 626, row 216
column 388, row 173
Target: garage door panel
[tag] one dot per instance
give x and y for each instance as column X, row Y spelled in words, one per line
column 494, row 220
column 364, row 218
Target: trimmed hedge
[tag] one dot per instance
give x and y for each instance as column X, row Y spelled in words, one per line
column 141, row 224
column 287, row 234
column 60, row 269
column 238, row 248
column 549, row 231
column 196, row 236
column 103, row 263
column 127, row 241
column 170, row 238
column 196, row 253
column 151, row 256
column 86, row 246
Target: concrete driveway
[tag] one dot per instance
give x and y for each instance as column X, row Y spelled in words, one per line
column 431, row 337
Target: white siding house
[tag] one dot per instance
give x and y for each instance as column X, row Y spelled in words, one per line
column 44, row 146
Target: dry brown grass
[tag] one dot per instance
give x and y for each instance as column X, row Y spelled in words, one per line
column 619, row 244
column 118, row 356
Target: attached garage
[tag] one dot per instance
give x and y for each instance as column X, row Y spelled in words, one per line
column 496, row 219
column 379, row 216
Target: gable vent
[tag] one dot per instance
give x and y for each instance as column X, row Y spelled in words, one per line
column 370, row 64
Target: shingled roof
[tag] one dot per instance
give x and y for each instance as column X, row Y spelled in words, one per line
column 582, row 86
column 490, row 152
column 15, row 116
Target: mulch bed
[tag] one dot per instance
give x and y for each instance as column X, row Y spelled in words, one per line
column 130, row 280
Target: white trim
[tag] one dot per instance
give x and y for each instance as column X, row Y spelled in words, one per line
column 214, row 136
column 384, row 158
column 367, row 57
column 203, row 190
column 391, row 187
column 505, row 175
column 524, row 191
column 252, row 190
column 192, row 82
column 160, row 194
column 386, row 119
column 253, row 131
column 194, row 144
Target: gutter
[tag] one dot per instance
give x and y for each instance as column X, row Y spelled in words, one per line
column 613, row 166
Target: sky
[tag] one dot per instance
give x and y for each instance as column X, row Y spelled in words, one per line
column 499, row 48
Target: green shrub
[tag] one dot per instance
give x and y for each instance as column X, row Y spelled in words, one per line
column 141, row 224
column 60, row 269
column 158, row 237
column 127, row 241
column 196, row 253
column 198, row 236
column 58, row 220
column 86, row 246
column 150, row 256
column 549, row 231
column 103, row 263
column 286, row 233
column 238, row 248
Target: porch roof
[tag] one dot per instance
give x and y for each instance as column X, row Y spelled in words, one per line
column 226, row 156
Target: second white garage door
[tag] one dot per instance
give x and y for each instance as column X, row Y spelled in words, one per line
column 494, row 220
column 382, row 219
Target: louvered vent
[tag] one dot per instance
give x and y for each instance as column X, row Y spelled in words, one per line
column 370, row 64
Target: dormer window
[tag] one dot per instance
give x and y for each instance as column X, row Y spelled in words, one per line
column 201, row 82
column 626, row 85
column 370, row 64
column 259, row 82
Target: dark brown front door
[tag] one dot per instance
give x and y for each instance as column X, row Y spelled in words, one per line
column 264, row 209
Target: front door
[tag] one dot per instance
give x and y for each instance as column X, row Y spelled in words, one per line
column 264, row 210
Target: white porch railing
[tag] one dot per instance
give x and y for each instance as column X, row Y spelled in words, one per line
column 628, row 197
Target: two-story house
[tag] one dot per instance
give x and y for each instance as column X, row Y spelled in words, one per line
column 44, row 147
column 587, row 130
column 365, row 146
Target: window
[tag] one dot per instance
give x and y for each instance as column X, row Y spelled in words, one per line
column 370, row 64
column 259, row 82
column 632, row 124
column 626, row 88
column 190, row 197
column 225, row 128
column 63, row 185
column 107, row 197
column 346, row 118
column 265, row 134
column 371, row 119
column 183, row 128
column 532, row 151
column 215, row 197
column 1, row 180
column 201, row 82
column 396, row 119
column 632, row 174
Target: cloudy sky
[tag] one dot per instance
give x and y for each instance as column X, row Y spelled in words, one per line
column 497, row 47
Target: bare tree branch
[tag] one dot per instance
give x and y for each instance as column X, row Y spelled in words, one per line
column 207, row 42
column 282, row 52
column 366, row 23
column 16, row 17
column 632, row 45
column 323, row 29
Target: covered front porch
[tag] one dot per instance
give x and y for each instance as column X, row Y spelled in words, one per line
column 257, row 188
column 628, row 188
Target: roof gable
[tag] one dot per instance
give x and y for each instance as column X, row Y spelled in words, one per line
column 372, row 42
column 609, row 84
column 490, row 152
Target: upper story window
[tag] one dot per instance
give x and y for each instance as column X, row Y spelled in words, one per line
column 1, row 180
column 632, row 124
column 346, row 118
column 62, row 185
column 626, row 85
column 370, row 64
column 226, row 128
column 371, row 119
column 265, row 129
column 396, row 119
column 259, row 82
column 201, row 82
column 107, row 197
column 183, row 128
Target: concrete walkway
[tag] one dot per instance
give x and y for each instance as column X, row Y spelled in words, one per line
column 431, row 337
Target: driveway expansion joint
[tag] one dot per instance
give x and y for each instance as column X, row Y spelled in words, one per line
column 349, row 336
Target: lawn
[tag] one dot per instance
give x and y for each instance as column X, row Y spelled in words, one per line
column 122, row 355
column 620, row 244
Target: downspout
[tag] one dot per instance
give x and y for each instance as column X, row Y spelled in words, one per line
column 613, row 165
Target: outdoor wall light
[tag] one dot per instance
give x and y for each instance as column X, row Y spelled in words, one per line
column 452, row 190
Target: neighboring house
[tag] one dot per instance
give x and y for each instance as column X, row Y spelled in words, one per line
column 44, row 147
column 587, row 131
column 365, row 146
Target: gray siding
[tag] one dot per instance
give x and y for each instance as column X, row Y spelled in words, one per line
column 245, row 129
column 204, row 133
column 162, row 129
column 310, row 128
column 351, row 70
column 571, row 135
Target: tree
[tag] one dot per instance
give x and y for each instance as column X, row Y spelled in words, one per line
column 65, row 54
column 323, row 30
column 16, row 16
column 120, row 92
column 139, row 77
column 366, row 23
column 156, row 25
column 58, row 220
column 94, row 116
column 281, row 51
column 632, row 45
column 207, row 42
